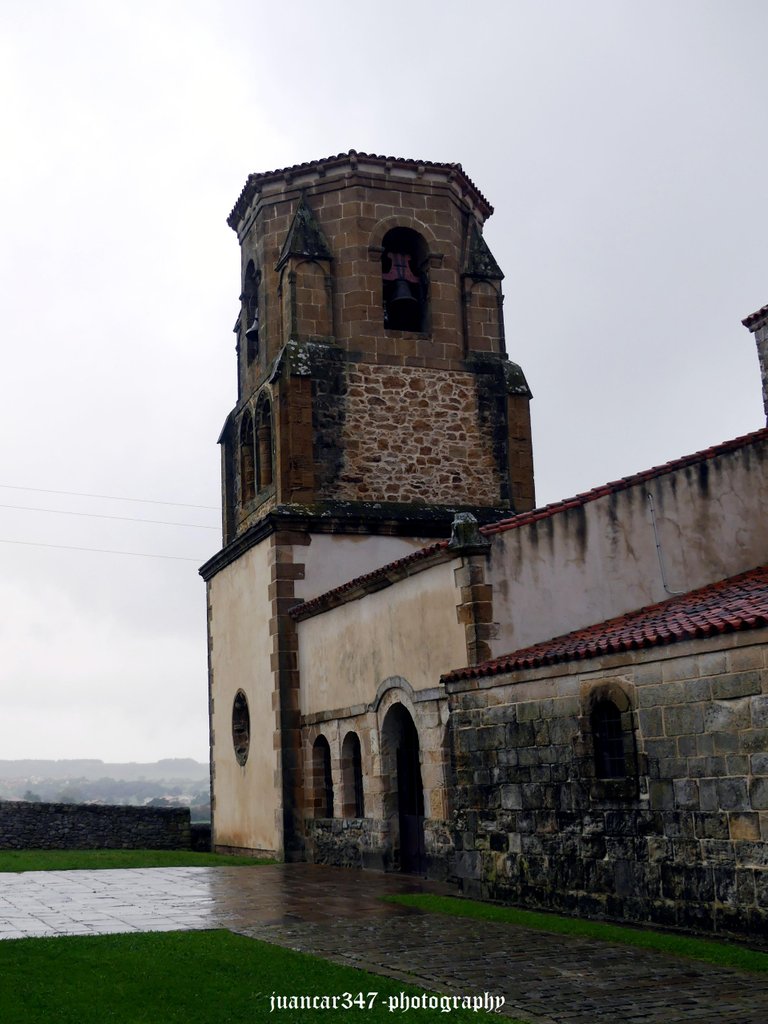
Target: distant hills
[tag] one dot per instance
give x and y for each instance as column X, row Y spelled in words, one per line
column 171, row 782
column 169, row 768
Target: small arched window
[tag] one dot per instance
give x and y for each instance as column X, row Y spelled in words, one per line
column 247, row 464
column 352, row 777
column 322, row 779
column 250, row 299
column 609, row 741
column 404, row 280
column 264, row 442
column 241, row 727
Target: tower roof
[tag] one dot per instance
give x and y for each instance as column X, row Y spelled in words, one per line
column 397, row 167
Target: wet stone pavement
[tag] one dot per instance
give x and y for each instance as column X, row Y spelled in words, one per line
column 546, row 978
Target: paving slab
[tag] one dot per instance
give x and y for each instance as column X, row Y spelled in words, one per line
column 545, row 978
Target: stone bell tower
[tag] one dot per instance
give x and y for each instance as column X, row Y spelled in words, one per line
column 375, row 401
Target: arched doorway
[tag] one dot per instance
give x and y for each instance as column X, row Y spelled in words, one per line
column 404, row 797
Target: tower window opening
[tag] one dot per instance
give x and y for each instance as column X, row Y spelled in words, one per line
column 264, row 442
column 404, row 280
column 250, row 299
column 247, row 463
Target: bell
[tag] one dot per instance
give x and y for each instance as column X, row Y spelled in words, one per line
column 403, row 299
column 252, row 334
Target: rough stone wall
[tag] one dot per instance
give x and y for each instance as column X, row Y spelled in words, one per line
column 341, row 842
column 414, row 436
column 48, row 826
column 682, row 842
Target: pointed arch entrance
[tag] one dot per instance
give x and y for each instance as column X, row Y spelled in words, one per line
column 404, row 792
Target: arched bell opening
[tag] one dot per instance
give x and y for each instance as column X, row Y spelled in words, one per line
column 405, row 281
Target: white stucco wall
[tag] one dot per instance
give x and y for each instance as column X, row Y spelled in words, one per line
column 408, row 630
column 590, row 563
column 247, row 797
column 333, row 559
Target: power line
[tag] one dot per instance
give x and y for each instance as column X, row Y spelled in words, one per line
column 122, row 519
column 100, row 551
column 107, row 497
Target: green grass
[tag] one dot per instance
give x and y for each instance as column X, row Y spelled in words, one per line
column 721, row 953
column 72, row 860
column 184, row 977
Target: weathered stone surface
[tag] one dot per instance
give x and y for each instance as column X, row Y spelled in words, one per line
column 49, row 826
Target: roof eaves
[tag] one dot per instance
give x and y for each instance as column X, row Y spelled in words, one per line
column 254, row 181
column 755, row 318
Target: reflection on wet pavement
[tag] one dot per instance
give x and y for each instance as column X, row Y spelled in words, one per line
column 546, row 978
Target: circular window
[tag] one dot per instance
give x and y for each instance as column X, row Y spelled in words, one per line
column 241, row 727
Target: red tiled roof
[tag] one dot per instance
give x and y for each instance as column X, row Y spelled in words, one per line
column 254, row 180
column 738, row 603
column 626, row 482
column 753, row 318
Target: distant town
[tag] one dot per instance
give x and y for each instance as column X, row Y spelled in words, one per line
column 172, row 782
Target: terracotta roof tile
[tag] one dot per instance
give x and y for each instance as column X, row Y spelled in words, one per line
column 729, row 606
column 756, row 317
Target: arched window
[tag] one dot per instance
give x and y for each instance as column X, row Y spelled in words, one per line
column 609, row 741
column 241, row 727
column 352, row 777
column 322, row 780
column 404, row 280
column 247, row 466
column 264, row 442
column 250, row 299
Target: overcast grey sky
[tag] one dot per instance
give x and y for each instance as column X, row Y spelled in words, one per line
column 621, row 143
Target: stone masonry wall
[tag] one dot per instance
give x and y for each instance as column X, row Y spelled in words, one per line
column 48, row 826
column 414, row 436
column 682, row 842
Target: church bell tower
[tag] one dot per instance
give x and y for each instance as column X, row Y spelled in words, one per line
column 375, row 400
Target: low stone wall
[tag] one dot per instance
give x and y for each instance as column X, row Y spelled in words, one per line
column 50, row 826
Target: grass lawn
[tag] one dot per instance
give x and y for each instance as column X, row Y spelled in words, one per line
column 189, row 978
column 68, row 860
column 721, row 953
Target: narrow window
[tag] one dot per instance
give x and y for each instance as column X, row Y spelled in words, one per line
column 250, row 299
column 404, row 280
column 247, row 467
column 241, row 727
column 264, row 441
column 608, row 737
column 352, row 777
column 322, row 778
